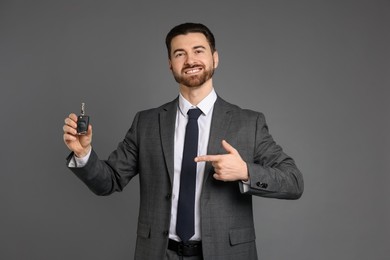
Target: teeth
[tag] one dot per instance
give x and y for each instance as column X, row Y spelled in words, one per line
column 192, row 71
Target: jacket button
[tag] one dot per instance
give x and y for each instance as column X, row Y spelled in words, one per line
column 166, row 233
column 262, row 185
column 168, row 196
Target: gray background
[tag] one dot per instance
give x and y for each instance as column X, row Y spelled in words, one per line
column 319, row 70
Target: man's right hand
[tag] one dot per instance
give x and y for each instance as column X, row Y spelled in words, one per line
column 79, row 144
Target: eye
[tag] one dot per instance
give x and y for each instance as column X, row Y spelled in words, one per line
column 179, row 54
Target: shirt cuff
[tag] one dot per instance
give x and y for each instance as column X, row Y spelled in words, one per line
column 76, row 162
column 245, row 186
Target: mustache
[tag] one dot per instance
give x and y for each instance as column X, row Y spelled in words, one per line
column 191, row 66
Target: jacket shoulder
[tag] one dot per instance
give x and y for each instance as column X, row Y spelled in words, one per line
column 235, row 109
column 155, row 111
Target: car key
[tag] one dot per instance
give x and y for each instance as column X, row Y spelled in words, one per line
column 82, row 121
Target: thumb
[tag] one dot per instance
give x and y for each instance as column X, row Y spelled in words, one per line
column 89, row 131
column 86, row 140
column 230, row 149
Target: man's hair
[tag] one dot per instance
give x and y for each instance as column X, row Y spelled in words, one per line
column 185, row 28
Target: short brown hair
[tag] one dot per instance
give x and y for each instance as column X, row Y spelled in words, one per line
column 186, row 28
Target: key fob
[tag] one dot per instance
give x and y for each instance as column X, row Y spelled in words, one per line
column 82, row 121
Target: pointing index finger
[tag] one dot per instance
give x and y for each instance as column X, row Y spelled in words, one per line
column 207, row 158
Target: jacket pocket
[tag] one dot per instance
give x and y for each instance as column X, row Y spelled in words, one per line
column 241, row 235
column 143, row 230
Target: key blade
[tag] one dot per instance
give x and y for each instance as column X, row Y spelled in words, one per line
column 83, row 108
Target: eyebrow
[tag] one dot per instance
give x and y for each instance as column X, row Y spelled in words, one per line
column 194, row 48
column 199, row 47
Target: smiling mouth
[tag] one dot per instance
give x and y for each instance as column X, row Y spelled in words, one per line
column 192, row 71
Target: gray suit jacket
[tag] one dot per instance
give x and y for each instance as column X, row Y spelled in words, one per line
column 226, row 213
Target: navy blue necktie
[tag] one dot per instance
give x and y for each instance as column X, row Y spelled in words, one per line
column 185, row 224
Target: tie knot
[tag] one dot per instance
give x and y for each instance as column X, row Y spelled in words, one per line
column 194, row 113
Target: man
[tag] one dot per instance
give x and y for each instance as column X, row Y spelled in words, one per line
column 208, row 215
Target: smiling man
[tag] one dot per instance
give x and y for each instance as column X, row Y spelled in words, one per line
column 192, row 60
column 199, row 159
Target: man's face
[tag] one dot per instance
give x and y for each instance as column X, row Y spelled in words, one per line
column 191, row 60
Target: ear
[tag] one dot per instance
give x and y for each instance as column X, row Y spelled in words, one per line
column 216, row 59
column 170, row 64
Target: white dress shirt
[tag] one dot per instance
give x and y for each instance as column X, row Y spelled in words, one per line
column 204, row 123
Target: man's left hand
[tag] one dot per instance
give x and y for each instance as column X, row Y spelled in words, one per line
column 228, row 167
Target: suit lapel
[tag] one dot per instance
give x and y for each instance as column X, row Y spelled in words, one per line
column 167, row 130
column 218, row 129
column 219, row 125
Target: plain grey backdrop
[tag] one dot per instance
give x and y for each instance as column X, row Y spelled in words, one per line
column 318, row 70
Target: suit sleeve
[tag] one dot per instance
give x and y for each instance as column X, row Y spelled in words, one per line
column 104, row 177
column 272, row 173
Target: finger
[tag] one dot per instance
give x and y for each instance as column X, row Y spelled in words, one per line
column 218, row 177
column 69, row 121
column 207, row 158
column 69, row 130
column 73, row 116
column 214, row 164
column 219, row 165
column 228, row 147
column 69, row 137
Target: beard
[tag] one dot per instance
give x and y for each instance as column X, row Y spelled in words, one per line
column 193, row 81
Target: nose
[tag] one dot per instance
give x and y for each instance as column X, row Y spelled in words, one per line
column 189, row 59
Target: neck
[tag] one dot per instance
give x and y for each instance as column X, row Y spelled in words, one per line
column 196, row 94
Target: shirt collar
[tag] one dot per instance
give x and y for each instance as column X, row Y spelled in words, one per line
column 205, row 105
